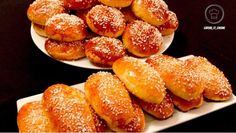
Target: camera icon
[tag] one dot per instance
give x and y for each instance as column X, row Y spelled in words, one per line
column 214, row 14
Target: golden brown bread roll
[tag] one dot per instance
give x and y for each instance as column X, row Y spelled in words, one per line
column 106, row 21
column 170, row 26
column 68, row 109
column 65, row 27
column 65, row 50
column 162, row 111
column 33, row 118
column 141, row 79
column 100, row 124
column 217, row 86
column 103, row 51
column 142, row 39
column 181, row 81
column 137, row 124
column 41, row 10
column 184, row 105
column 151, row 11
column 110, row 99
column 39, row 29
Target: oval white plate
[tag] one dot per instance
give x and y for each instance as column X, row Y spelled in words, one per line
column 85, row 63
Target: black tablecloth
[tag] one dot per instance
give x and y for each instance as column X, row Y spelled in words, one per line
column 25, row 70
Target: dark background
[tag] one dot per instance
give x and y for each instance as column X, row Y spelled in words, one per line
column 25, row 70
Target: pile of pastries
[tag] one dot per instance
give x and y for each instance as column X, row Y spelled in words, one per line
column 118, row 100
column 102, row 30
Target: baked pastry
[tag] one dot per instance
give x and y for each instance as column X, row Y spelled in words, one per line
column 161, row 111
column 100, row 124
column 39, row 29
column 151, row 11
column 184, row 105
column 142, row 39
column 129, row 15
column 65, row 50
column 137, row 123
column 106, row 21
column 68, row 109
column 110, row 99
column 65, row 27
column 116, row 3
column 170, row 26
column 180, row 80
column 33, row 118
column 79, row 4
column 217, row 86
column 103, row 51
column 41, row 10
column 141, row 79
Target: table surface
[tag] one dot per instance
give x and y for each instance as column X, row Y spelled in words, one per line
column 25, row 70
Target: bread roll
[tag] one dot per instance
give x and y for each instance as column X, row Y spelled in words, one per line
column 106, row 21
column 65, row 50
column 170, row 26
column 152, row 11
column 184, row 105
column 180, row 80
column 65, row 27
column 100, row 124
column 141, row 79
column 110, row 99
column 217, row 86
column 103, row 51
column 39, row 29
column 68, row 109
column 142, row 39
column 41, row 10
column 33, row 118
column 161, row 111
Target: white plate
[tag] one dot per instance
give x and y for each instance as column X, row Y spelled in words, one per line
column 152, row 124
column 85, row 63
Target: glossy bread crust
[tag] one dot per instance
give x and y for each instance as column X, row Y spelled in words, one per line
column 65, row 27
column 151, row 11
column 68, row 109
column 103, row 51
column 141, row 79
column 180, row 80
column 65, row 50
column 217, row 86
column 41, row 10
column 170, row 26
column 110, row 99
column 184, row 105
column 106, row 21
column 142, row 39
column 32, row 117
column 161, row 111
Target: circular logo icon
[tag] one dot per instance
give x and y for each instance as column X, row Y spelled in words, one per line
column 214, row 14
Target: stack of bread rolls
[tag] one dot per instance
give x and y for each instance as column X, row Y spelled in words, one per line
column 120, row 27
column 118, row 100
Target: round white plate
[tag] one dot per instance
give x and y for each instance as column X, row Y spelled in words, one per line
column 84, row 62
